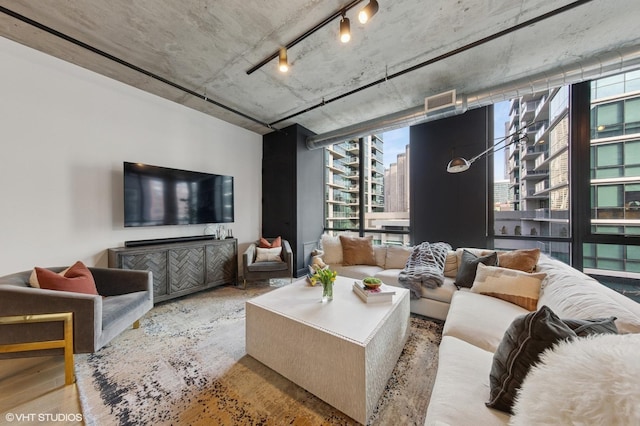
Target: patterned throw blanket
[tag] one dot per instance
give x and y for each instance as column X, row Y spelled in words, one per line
column 425, row 267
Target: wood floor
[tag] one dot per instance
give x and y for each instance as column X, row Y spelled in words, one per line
column 32, row 392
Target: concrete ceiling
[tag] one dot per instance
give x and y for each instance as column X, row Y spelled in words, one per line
column 207, row 47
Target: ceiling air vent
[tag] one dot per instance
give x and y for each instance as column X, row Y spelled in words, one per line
column 440, row 101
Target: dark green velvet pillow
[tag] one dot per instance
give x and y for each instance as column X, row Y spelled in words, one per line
column 526, row 338
column 469, row 265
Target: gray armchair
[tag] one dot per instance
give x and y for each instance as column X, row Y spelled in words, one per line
column 253, row 270
column 124, row 297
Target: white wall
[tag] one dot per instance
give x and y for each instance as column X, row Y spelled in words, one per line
column 64, row 134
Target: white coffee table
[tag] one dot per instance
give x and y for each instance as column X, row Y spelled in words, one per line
column 342, row 351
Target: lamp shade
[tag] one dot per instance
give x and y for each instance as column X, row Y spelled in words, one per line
column 458, row 165
column 283, row 63
column 368, row 11
column 345, row 30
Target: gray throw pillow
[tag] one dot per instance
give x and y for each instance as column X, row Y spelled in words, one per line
column 526, row 338
column 592, row 326
column 469, row 265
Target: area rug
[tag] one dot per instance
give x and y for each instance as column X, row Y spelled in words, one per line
column 187, row 364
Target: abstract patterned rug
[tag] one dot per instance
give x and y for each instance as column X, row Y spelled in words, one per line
column 187, row 364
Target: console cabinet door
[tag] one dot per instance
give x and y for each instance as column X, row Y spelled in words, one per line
column 222, row 263
column 186, row 269
column 154, row 261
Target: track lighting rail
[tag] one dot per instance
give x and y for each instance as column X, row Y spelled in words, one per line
column 306, row 34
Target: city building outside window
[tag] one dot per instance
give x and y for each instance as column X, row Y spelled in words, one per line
column 367, row 189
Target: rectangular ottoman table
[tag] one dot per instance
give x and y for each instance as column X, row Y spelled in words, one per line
column 342, row 351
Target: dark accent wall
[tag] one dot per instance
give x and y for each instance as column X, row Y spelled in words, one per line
column 444, row 206
column 293, row 191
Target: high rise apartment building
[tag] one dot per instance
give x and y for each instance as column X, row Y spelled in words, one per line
column 387, row 221
column 345, row 162
column 396, row 184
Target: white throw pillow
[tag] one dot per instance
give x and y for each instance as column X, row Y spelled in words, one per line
column 591, row 380
column 332, row 249
column 268, row 254
column 520, row 288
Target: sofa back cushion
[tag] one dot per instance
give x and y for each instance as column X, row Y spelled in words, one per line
column 397, row 257
column 572, row 294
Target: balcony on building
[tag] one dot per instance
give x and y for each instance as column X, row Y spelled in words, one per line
column 336, row 151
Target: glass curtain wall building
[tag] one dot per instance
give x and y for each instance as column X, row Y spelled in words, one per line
column 615, row 174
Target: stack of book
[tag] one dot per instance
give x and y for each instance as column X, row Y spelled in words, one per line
column 384, row 293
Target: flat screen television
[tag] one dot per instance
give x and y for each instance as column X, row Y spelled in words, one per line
column 156, row 195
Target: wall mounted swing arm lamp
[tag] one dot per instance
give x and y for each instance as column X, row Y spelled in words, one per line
column 460, row 164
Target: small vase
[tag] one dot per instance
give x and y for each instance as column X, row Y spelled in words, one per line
column 327, row 291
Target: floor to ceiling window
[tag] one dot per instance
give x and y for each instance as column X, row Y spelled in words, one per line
column 367, row 189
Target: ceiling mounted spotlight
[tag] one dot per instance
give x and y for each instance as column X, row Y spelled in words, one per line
column 283, row 63
column 345, row 29
column 368, row 11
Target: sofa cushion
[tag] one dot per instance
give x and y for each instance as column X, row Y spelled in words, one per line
column 461, row 387
column 572, row 294
column 267, row 266
column 523, row 343
column 480, row 320
column 397, row 257
column 511, row 285
column 523, row 260
column 357, row 250
column 380, row 253
column 358, row 272
column 468, row 265
column 332, row 249
column 77, row 279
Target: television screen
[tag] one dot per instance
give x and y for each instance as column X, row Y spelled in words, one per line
column 162, row 196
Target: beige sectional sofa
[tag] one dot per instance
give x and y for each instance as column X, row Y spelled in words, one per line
column 475, row 325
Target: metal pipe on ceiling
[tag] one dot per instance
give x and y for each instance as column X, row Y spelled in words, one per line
column 614, row 62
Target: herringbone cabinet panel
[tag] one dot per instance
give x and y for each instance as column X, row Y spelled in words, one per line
column 156, row 262
column 220, row 264
column 187, row 268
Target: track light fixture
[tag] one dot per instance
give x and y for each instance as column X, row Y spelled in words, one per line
column 345, row 29
column 345, row 32
column 368, row 11
column 283, row 63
